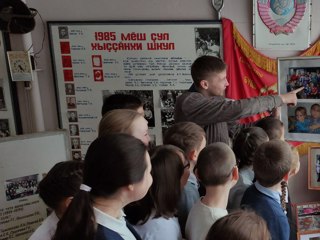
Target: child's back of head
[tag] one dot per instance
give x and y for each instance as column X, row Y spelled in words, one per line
column 186, row 135
column 239, row 225
column 273, row 127
column 61, row 182
column 272, row 162
column 215, row 164
column 246, row 144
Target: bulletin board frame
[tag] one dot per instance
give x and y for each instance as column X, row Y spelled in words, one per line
column 149, row 59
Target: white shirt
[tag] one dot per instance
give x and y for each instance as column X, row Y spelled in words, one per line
column 159, row 229
column 200, row 220
column 47, row 229
column 114, row 224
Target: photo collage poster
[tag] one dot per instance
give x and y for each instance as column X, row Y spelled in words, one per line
column 302, row 122
column 149, row 60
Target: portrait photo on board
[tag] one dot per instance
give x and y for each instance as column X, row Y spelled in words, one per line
column 69, row 89
column 72, row 116
column 4, row 128
column 63, row 32
column 2, row 101
column 75, row 143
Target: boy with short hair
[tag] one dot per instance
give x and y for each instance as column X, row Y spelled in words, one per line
column 216, row 169
column 189, row 137
column 271, row 166
column 272, row 126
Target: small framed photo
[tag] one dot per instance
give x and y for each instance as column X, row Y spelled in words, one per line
column 314, row 168
column 308, row 217
column 302, row 122
column 309, row 236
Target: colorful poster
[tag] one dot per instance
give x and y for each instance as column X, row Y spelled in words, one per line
column 281, row 24
column 149, row 60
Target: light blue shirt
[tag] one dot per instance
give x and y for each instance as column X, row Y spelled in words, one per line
column 267, row 191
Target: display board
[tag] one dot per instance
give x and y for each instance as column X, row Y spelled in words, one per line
column 24, row 160
column 151, row 60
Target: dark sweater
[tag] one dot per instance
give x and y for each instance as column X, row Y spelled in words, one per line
column 270, row 210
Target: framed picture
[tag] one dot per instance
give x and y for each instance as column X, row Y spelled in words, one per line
column 301, row 122
column 308, row 217
column 281, row 25
column 10, row 122
column 314, row 168
column 309, row 236
column 147, row 59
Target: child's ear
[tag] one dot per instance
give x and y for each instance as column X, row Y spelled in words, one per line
column 235, row 173
column 192, row 155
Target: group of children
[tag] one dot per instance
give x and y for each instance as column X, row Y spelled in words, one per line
column 193, row 186
column 304, row 123
column 122, row 192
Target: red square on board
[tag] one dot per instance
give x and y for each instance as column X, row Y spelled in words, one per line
column 65, row 47
column 98, row 75
column 68, row 75
column 66, row 61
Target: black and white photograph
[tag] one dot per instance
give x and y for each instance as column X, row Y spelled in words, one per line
column 207, row 41
column 74, row 129
column 75, row 143
column 63, row 32
column 4, row 128
column 146, row 96
column 167, row 119
column 76, row 155
column 168, row 97
column 21, row 187
column 71, row 102
column 72, row 116
column 69, row 89
column 2, row 101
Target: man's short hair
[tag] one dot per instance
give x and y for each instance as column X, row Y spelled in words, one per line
column 215, row 164
column 185, row 135
column 203, row 66
column 272, row 162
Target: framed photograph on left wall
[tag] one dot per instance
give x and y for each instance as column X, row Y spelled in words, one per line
column 10, row 123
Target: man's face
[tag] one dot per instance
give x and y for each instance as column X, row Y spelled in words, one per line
column 216, row 84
